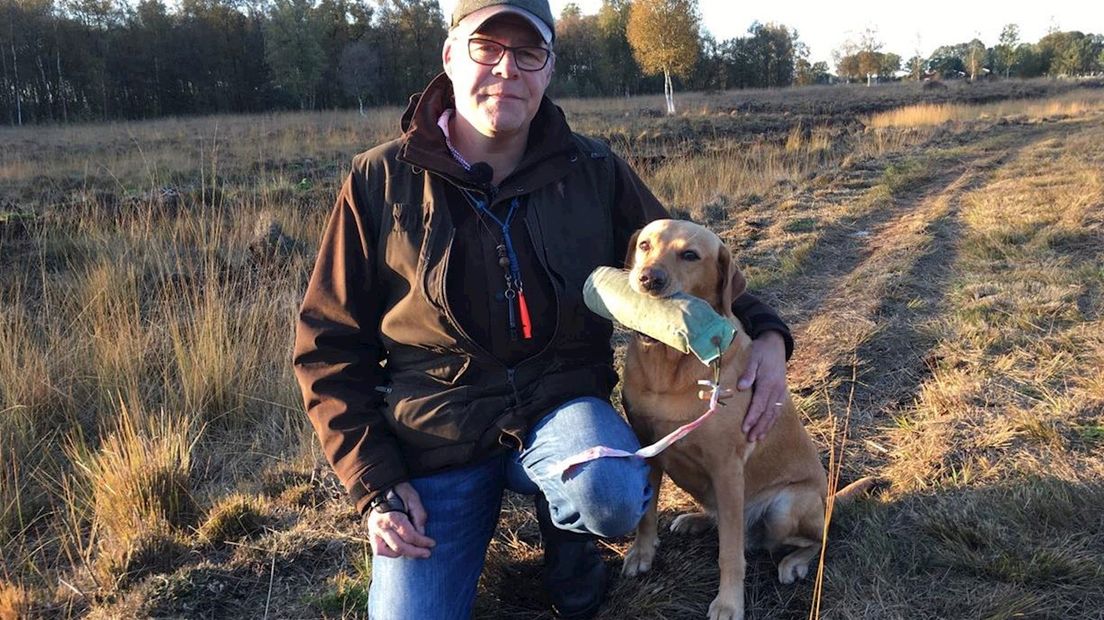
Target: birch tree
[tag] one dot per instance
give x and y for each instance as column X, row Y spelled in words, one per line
column 663, row 35
column 975, row 58
column 1006, row 50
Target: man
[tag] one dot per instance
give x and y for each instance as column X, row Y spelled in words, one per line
column 443, row 348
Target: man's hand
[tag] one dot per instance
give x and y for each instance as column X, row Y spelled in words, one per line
column 400, row 534
column 766, row 373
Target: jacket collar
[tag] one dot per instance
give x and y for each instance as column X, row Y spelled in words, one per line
column 424, row 144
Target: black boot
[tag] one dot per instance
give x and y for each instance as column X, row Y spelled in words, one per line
column 574, row 573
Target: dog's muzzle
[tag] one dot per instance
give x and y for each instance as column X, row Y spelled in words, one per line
column 652, row 280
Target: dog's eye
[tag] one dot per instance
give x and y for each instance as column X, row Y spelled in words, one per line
column 644, row 246
column 689, row 255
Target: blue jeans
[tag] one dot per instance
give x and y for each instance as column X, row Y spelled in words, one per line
column 605, row 497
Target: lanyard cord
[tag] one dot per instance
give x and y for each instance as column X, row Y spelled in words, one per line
column 507, row 257
column 504, row 226
column 508, row 260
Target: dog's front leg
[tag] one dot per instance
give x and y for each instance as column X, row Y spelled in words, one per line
column 728, row 487
column 643, row 551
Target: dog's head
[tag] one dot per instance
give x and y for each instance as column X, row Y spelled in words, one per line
column 671, row 256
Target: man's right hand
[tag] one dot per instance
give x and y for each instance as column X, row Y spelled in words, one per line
column 394, row 534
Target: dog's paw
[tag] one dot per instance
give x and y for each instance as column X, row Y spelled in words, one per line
column 791, row 571
column 639, row 558
column 692, row 523
column 726, row 608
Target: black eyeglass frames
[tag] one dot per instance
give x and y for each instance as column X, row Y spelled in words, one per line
column 490, row 53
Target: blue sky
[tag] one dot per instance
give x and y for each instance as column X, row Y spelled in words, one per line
column 904, row 27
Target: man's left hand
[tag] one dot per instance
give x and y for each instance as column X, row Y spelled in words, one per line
column 766, row 373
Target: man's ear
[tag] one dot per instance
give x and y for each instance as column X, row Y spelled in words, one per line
column 730, row 280
column 630, row 254
column 446, row 56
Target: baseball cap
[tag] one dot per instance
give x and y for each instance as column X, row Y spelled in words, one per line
column 469, row 15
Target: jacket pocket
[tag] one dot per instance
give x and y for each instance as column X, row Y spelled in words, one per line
column 440, row 418
column 405, row 250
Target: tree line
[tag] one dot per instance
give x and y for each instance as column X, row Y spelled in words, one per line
column 65, row 60
column 1058, row 53
column 71, row 60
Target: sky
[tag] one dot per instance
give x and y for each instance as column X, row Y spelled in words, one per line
column 903, row 27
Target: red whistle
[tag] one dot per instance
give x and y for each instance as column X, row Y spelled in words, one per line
column 523, row 312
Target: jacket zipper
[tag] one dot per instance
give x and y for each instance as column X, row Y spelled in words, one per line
column 511, row 371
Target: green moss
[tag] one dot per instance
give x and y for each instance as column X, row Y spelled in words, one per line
column 346, row 595
column 1091, row 433
column 903, row 176
column 801, row 224
column 346, row 598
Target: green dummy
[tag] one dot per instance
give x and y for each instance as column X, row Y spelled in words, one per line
column 682, row 322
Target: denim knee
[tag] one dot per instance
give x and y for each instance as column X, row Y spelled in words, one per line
column 611, row 499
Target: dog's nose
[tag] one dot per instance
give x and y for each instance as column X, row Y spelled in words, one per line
column 652, row 279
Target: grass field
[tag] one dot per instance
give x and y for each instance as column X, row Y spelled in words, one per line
column 939, row 254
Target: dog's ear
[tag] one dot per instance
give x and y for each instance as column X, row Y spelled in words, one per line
column 730, row 280
column 630, row 254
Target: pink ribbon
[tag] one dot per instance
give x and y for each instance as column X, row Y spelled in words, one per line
column 564, row 467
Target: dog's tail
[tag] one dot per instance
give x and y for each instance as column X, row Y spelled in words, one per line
column 857, row 488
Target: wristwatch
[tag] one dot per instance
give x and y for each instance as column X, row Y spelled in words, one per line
column 388, row 501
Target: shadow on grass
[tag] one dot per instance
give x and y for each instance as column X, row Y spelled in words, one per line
column 841, row 247
column 897, row 359
column 1020, row 548
column 1023, row 548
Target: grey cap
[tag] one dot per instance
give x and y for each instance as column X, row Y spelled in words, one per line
column 537, row 12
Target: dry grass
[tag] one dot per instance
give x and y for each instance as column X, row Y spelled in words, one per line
column 990, row 477
column 708, row 186
column 956, row 270
column 19, row 393
column 15, row 601
column 1013, row 376
column 233, row 518
column 137, row 485
column 929, row 114
column 347, row 595
column 159, row 152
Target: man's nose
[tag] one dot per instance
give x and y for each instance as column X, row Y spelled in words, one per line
column 507, row 65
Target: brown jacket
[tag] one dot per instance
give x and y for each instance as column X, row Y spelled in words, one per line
column 392, row 383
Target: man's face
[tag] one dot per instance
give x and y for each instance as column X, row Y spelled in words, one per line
column 502, row 99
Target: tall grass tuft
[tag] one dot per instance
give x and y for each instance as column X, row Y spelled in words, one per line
column 233, row 518
column 206, row 354
column 801, row 142
column 15, row 601
column 12, row 484
column 738, row 171
column 24, row 369
column 115, row 329
column 29, row 409
column 138, row 487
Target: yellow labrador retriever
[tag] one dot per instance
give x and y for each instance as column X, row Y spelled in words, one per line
column 774, row 488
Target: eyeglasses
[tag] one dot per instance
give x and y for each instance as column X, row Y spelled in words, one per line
column 490, row 53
